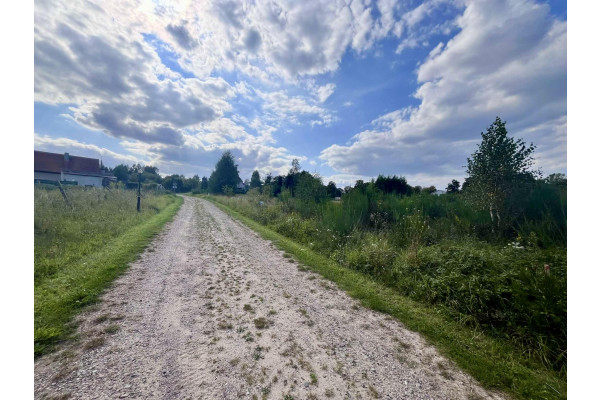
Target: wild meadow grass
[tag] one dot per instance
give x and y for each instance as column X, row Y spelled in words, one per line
column 79, row 249
column 434, row 259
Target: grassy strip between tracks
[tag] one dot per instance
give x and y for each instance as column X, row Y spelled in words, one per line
column 493, row 362
column 59, row 298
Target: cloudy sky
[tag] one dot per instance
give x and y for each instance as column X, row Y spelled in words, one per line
column 352, row 88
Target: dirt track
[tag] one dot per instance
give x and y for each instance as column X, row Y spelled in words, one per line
column 213, row 311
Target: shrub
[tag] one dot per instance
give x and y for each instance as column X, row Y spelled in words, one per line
column 370, row 253
column 507, row 291
column 410, row 231
column 228, row 191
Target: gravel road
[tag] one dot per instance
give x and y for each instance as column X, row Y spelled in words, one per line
column 212, row 311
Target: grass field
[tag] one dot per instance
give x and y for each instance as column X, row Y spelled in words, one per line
column 80, row 250
column 495, row 362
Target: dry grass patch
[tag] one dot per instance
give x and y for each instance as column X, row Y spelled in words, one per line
column 94, row 343
column 262, row 323
column 112, row 329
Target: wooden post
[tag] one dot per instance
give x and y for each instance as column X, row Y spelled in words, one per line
column 62, row 191
column 139, row 190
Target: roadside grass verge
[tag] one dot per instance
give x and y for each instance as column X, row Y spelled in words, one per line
column 494, row 362
column 60, row 295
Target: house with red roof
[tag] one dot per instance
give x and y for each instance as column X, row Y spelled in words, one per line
column 83, row 171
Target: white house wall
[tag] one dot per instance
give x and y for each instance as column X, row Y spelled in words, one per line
column 83, row 180
column 48, row 176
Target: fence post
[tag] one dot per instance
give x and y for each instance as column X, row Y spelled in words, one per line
column 139, row 190
column 62, row 191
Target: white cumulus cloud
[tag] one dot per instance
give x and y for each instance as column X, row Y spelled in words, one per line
column 508, row 59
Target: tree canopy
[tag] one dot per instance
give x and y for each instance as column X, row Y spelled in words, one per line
column 453, row 187
column 225, row 175
column 498, row 170
column 255, row 181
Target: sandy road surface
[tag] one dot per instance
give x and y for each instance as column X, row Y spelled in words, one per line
column 213, row 311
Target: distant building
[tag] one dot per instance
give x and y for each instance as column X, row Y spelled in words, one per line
column 83, row 171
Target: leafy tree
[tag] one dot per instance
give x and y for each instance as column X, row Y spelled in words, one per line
column 453, row 187
column 310, row 188
column 195, row 182
column 169, row 180
column 150, row 174
column 417, row 189
column 268, row 179
column 121, row 172
column 332, row 190
column 255, row 180
column 295, row 166
column 228, row 191
column 104, row 167
column 277, row 185
column 225, row 174
column 151, row 170
column 393, row 184
column 429, row 190
column 291, row 179
column 556, row 179
column 204, row 183
column 136, row 169
column 361, row 185
column 498, row 173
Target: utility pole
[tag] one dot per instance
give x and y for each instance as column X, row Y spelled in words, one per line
column 139, row 190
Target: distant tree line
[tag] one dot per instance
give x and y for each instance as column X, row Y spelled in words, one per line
column 298, row 183
column 129, row 176
column 499, row 178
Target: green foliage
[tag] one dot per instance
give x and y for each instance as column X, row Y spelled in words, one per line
column 545, row 215
column 146, row 174
column 410, row 232
column 429, row 190
column 182, row 184
column 393, row 184
column 228, row 191
column 508, row 291
column 344, row 217
column 499, row 174
column 369, row 253
column 255, row 181
column 309, row 191
column 226, row 174
column 121, row 172
column 453, row 187
column 556, row 179
column 333, row 191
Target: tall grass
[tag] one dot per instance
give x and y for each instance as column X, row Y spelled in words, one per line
column 64, row 234
column 80, row 248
